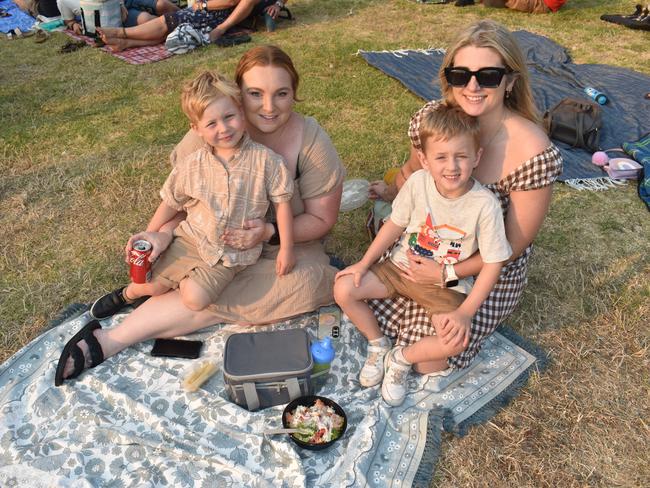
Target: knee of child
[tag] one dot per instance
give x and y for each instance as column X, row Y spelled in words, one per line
column 193, row 299
column 342, row 289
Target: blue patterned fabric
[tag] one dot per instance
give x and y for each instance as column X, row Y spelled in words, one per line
column 17, row 18
column 129, row 423
column 553, row 77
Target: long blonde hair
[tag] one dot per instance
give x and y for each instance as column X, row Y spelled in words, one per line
column 490, row 34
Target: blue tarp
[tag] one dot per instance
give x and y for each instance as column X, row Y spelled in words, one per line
column 626, row 116
column 16, row 19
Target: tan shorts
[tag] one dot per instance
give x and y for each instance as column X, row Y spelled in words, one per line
column 181, row 260
column 431, row 297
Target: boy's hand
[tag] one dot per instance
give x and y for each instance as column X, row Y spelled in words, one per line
column 453, row 328
column 285, row 261
column 357, row 270
column 159, row 242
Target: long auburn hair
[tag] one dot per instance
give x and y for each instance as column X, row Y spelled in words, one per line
column 490, row 34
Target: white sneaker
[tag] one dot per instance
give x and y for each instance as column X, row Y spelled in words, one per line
column 393, row 389
column 373, row 369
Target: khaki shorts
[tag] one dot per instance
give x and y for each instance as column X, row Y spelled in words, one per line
column 181, row 260
column 431, row 297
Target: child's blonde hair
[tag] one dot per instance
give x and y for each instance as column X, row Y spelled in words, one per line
column 445, row 121
column 203, row 90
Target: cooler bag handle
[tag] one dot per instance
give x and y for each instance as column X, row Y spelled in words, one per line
column 293, row 388
column 250, row 394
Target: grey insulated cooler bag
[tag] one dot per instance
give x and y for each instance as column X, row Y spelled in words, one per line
column 262, row 369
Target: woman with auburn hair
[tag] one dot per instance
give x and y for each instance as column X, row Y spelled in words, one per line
column 269, row 83
column 485, row 74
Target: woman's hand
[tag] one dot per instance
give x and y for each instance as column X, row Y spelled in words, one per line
column 379, row 190
column 424, row 271
column 159, row 242
column 285, row 261
column 453, row 328
column 247, row 237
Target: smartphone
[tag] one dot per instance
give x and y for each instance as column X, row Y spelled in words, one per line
column 329, row 322
column 177, row 348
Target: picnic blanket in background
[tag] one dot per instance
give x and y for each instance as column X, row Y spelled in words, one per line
column 16, row 19
column 626, row 116
column 129, row 423
column 135, row 55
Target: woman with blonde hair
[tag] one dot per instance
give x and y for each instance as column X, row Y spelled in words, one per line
column 485, row 74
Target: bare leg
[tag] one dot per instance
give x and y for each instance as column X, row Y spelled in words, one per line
column 144, row 17
column 241, row 11
column 137, row 290
column 194, row 296
column 164, row 7
column 351, row 299
column 154, row 30
column 429, row 354
column 161, row 316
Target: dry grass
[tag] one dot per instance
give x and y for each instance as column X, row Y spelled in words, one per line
column 84, row 141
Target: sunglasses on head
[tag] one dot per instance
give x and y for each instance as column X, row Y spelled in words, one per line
column 485, row 77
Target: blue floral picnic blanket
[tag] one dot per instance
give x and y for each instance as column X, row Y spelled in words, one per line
column 129, row 423
column 16, row 19
column 554, row 76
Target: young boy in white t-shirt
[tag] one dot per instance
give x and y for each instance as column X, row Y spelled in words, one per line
column 442, row 213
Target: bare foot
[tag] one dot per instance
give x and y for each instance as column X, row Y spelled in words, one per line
column 109, row 348
column 107, row 33
column 117, row 44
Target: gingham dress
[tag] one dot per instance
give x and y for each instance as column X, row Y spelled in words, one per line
column 407, row 322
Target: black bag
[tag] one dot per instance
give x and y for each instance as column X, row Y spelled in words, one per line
column 575, row 122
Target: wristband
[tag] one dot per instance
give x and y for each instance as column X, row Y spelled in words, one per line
column 451, row 278
column 275, row 238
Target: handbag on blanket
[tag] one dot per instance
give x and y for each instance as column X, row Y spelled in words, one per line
column 262, row 369
column 575, row 122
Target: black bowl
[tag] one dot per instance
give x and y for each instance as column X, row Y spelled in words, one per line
column 309, row 401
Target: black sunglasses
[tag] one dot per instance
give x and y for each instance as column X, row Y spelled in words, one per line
column 486, row 77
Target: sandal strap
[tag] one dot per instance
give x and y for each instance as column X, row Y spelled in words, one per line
column 95, row 349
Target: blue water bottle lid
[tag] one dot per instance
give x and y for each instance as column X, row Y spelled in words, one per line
column 322, row 351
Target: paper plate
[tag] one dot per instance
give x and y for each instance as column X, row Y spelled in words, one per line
column 355, row 194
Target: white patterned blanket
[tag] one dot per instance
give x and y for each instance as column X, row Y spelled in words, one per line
column 129, row 423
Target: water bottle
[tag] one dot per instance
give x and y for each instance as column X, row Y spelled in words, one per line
column 322, row 353
column 594, row 94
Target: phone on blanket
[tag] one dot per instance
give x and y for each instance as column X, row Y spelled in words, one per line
column 177, row 348
column 329, row 322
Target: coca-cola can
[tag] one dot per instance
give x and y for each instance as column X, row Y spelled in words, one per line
column 140, row 267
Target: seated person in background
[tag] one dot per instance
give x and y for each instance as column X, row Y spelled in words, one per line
column 213, row 16
column 229, row 180
column 134, row 12
column 535, row 6
column 441, row 213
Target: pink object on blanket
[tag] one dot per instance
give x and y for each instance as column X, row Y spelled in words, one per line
column 136, row 55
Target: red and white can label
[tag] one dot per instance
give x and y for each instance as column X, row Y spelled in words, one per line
column 140, row 267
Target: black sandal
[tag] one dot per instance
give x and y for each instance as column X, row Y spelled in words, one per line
column 72, row 349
